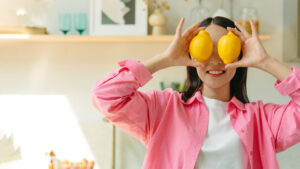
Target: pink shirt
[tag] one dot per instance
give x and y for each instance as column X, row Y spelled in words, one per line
column 174, row 131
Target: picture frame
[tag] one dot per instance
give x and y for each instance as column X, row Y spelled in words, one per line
column 118, row 17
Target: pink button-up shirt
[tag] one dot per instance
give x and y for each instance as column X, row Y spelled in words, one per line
column 173, row 130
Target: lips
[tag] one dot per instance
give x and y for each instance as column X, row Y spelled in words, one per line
column 215, row 72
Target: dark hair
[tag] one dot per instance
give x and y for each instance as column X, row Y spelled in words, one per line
column 238, row 82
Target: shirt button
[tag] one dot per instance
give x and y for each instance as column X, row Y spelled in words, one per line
column 242, row 130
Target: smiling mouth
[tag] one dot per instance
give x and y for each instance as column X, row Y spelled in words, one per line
column 216, row 72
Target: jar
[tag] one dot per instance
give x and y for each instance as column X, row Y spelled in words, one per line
column 247, row 14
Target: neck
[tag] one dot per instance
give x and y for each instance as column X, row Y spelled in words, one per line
column 222, row 93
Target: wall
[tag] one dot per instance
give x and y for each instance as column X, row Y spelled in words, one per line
column 71, row 69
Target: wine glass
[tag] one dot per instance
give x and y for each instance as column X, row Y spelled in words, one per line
column 80, row 22
column 199, row 13
column 65, row 22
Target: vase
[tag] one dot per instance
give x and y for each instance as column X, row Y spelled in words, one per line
column 158, row 21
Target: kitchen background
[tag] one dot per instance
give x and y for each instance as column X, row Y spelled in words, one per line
column 45, row 85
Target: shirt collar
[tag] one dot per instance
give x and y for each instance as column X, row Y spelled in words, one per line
column 198, row 97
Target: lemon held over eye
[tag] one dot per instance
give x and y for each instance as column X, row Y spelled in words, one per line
column 201, row 46
column 229, row 47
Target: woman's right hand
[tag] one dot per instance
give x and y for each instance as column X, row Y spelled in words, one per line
column 177, row 52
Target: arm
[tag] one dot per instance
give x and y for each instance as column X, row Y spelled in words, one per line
column 275, row 68
column 117, row 95
column 283, row 120
column 118, row 99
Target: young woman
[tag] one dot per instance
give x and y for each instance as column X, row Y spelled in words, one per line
column 211, row 125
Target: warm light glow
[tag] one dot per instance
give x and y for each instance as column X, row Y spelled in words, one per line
column 40, row 123
column 21, row 12
column 14, row 36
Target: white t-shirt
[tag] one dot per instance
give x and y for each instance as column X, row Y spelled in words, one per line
column 222, row 147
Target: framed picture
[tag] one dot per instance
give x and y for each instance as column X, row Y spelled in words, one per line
column 118, row 17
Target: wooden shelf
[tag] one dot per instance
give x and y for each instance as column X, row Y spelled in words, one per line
column 77, row 38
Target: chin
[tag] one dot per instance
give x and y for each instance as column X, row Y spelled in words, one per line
column 214, row 85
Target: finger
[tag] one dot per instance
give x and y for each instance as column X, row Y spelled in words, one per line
column 191, row 29
column 234, row 65
column 191, row 32
column 237, row 33
column 179, row 27
column 253, row 28
column 243, row 30
column 192, row 35
column 194, row 63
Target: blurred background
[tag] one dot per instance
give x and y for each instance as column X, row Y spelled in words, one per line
column 53, row 51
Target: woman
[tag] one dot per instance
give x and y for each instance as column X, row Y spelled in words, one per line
column 212, row 124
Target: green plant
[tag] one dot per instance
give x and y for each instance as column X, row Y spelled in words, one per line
column 174, row 85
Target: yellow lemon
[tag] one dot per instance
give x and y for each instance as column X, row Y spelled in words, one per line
column 229, row 47
column 201, row 46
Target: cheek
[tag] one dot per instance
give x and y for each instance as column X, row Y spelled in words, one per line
column 230, row 74
column 206, row 78
column 201, row 73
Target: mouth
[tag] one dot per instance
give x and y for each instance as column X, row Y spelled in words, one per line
column 216, row 73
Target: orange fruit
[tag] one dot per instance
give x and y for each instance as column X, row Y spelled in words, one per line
column 229, row 47
column 201, row 46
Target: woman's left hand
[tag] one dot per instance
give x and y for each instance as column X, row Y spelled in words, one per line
column 254, row 54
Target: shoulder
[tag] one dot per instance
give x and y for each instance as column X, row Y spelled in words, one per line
column 258, row 103
column 260, row 106
column 165, row 95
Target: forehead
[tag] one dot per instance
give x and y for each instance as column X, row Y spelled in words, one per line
column 216, row 32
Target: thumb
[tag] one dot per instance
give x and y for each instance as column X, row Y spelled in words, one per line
column 234, row 65
column 194, row 63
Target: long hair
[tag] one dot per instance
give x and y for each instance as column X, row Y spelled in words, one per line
column 238, row 82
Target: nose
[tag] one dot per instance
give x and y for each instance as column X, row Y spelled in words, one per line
column 215, row 59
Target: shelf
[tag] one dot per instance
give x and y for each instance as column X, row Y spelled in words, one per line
column 77, row 38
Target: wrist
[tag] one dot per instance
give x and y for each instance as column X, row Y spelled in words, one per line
column 276, row 68
column 266, row 63
column 157, row 63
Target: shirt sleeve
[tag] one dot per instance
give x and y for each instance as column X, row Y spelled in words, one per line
column 284, row 120
column 118, row 98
